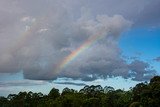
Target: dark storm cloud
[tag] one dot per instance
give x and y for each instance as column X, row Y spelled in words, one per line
column 37, row 35
column 143, row 13
column 150, row 15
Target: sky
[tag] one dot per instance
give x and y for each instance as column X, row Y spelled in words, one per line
column 73, row 43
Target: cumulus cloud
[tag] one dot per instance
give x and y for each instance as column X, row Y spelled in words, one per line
column 36, row 39
column 62, row 44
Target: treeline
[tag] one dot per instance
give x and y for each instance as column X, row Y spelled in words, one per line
column 142, row 95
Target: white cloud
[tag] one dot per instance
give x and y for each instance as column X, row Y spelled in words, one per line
column 24, row 19
column 42, row 30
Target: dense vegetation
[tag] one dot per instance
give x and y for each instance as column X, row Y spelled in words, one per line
column 142, row 95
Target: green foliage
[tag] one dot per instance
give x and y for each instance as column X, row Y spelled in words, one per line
column 142, row 95
column 135, row 104
column 54, row 93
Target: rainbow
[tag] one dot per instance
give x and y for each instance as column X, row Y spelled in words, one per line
column 67, row 60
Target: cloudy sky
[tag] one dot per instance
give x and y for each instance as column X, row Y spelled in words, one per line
column 72, row 43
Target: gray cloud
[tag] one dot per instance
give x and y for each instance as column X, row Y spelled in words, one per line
column 141, row 71
column 71, row 83
column 36, row 39
column 21, row 83
column 150, row 15
column 143, row 13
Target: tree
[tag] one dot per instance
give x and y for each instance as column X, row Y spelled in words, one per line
column 92, row 91
column 142, row 95
column 137, row 91
column 11, row 96
column 108, row 89
column 155, row 79
column 135, row 104
column 68, row 91
column 3, row 102
column 54, row 93
column 92, row 102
